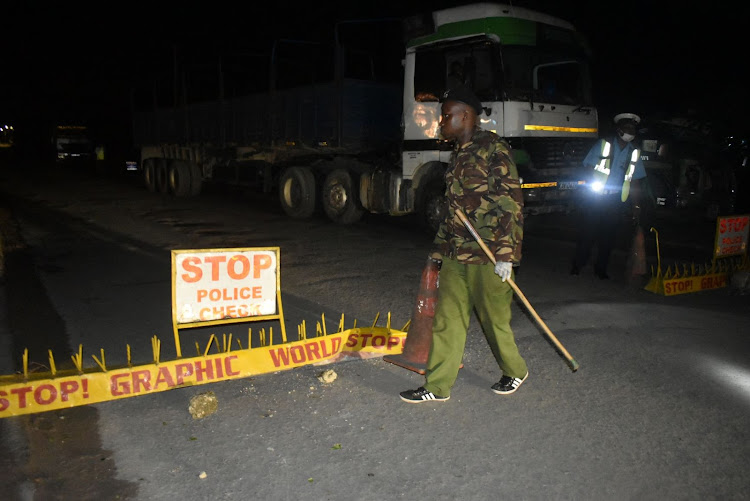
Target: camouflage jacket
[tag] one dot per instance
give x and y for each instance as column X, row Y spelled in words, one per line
column 482, row 180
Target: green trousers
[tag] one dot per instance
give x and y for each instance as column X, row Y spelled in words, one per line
column 462, row 288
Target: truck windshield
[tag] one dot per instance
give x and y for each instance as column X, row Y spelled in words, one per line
column 554, row 77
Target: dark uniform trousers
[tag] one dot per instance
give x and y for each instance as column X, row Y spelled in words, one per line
column 603, row 215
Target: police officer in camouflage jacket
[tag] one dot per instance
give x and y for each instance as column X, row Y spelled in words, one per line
column 482, row 181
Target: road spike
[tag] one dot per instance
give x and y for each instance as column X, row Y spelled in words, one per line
column 208, row 346
column 376, row 319
column 323, row 321
column 26, row 363
column 52, row 367
column 78, row 359
column 156, row 348
column 101, row 363
column 127, row 350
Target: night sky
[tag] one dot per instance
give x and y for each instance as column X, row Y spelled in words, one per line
column 80, row 62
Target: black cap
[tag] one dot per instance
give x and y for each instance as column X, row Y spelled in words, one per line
column 464, row 95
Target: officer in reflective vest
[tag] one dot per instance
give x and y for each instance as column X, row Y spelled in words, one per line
column 616, row 170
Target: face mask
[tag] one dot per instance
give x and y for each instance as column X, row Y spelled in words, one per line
column 625, row 137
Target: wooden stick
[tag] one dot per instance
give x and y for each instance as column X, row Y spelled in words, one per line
column 571, row 361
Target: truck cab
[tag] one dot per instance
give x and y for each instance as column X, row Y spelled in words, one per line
column 530, row 71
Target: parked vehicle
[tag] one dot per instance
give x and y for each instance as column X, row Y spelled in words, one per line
column 358, row 131
column 72, row 144
column 690, row 172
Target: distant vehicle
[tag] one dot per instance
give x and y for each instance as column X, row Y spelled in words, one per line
column 688, row 169
column 359, row 132
column 73, row 145
column 6, row 136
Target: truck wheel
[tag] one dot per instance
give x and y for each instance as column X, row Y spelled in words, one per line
column 196, row 179
column 179, row 179
column 161, row 176
column 149, row 175
column 297, row 192
column 433, row 207
column 340, row 201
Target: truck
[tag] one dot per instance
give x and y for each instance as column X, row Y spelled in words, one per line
column 693, row 168
column 72, row 144
column 358, row 132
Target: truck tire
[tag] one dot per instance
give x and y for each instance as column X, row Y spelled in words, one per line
column 340, row 200
column 149, row 174
column 297, row 192
column 433, row 204
column 196, row 179
column 180, row 176
column 161, row 176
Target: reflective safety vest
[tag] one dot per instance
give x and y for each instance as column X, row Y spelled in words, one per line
column 602, row 170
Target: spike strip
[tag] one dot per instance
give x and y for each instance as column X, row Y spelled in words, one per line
column 55, row 389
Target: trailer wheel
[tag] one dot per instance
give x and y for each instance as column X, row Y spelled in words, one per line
column 340, row 201
column 196, row 179
column 297, row 192
column 180, row 183
column 161, row 176
column 149, row 175
column 433, row 206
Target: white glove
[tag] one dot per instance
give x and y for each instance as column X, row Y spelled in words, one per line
column 503, row 269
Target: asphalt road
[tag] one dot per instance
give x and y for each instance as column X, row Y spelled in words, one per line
column 657, row 410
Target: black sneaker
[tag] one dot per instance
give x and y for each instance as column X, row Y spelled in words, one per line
column 508, row 385
column 421, row 395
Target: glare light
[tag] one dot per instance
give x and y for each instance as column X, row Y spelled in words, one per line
column 732, row 376
column 597, row 186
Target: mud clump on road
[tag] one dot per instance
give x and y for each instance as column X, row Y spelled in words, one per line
column 203, row 405
column 327, row 376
